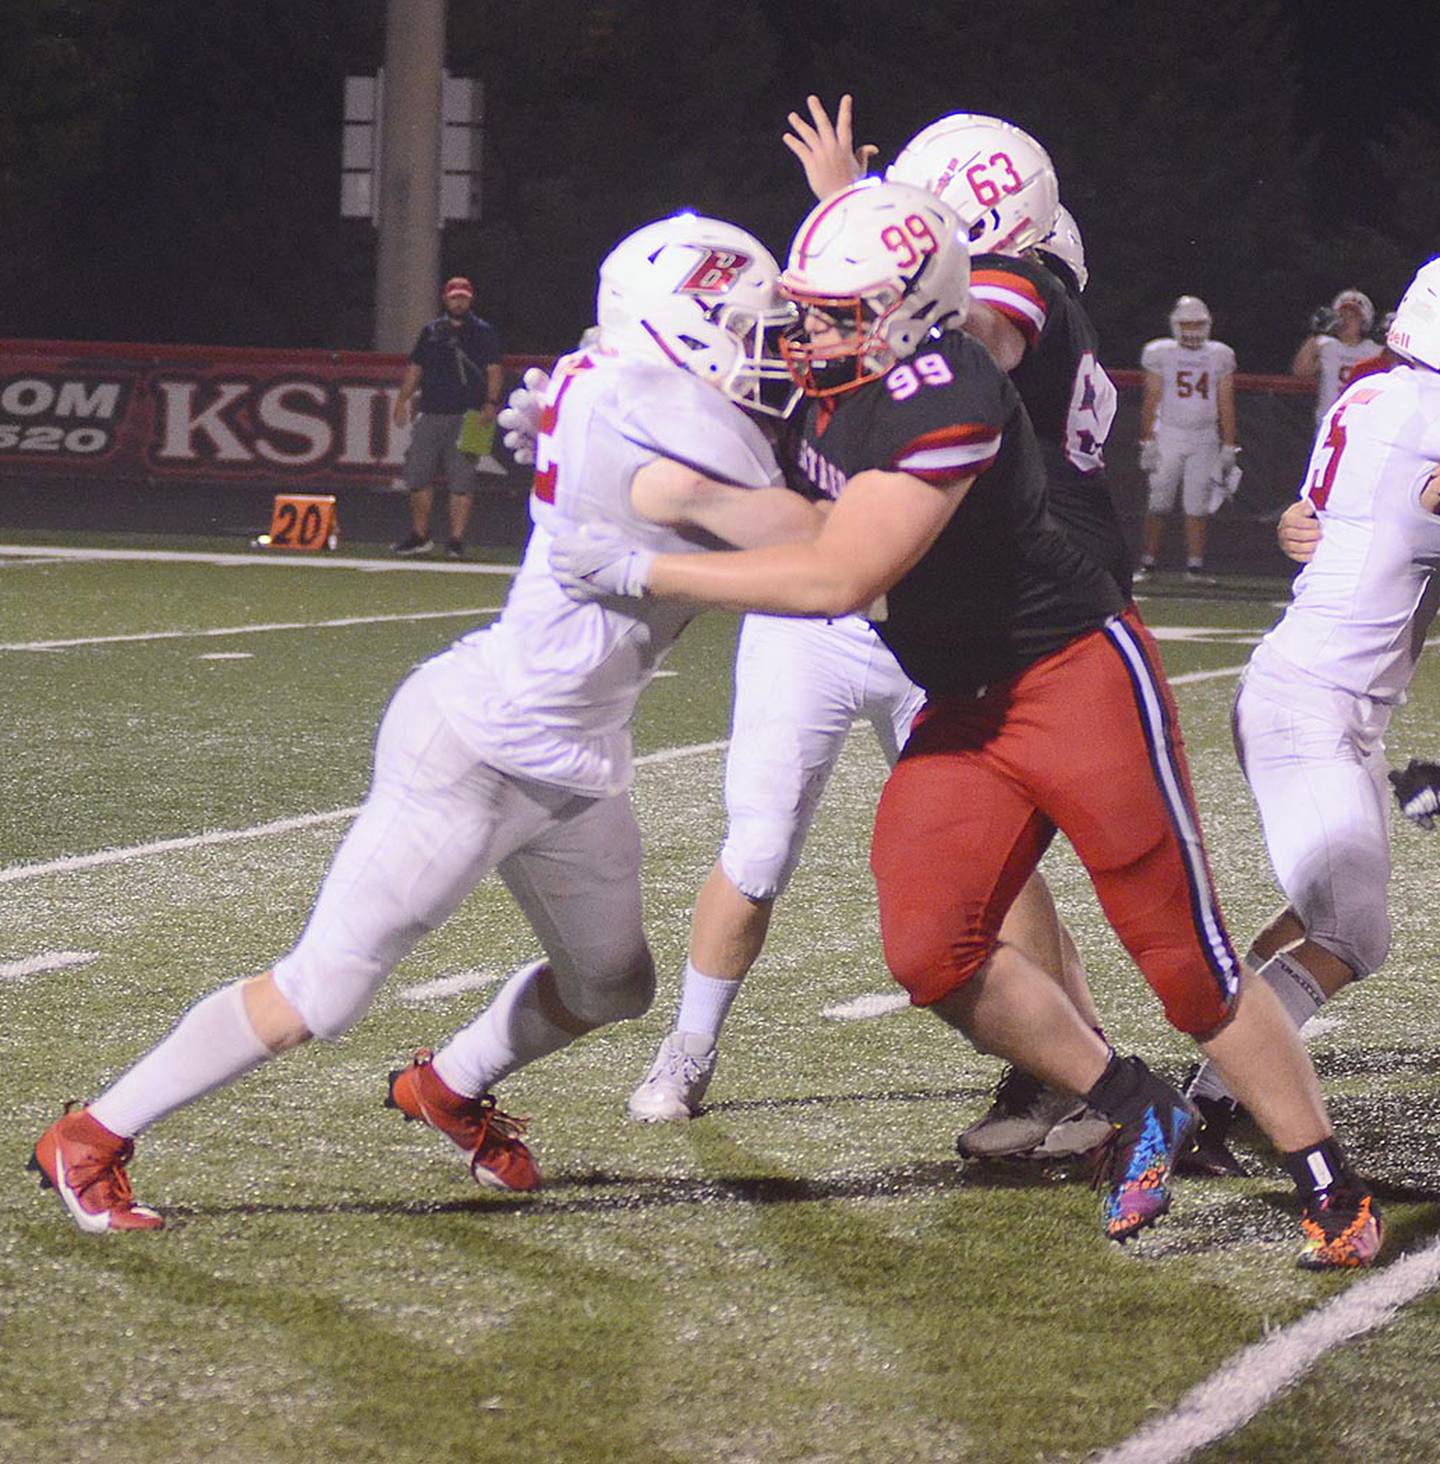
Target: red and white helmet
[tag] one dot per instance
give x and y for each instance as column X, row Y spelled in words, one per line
column 1415, row 331
column 887, row 263
column 996, row 177
column 1356, row 300
column 1190, row 321
column 702, row 295
column 1065, row 243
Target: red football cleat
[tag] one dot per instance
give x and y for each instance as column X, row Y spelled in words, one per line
column 489, row 1139
column 84, row 1163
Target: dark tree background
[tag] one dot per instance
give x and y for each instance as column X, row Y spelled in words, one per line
column 170, row 171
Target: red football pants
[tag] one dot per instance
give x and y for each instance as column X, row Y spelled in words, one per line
column 1086, row 741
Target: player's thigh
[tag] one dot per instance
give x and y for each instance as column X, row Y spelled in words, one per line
column 1318, row 780
column 578, row 884
column 1199, row 471
column 892, row 702
column 1165, row 480
column 1122, row 795
column 955, row 840
column 797, row 690
column 435, row 823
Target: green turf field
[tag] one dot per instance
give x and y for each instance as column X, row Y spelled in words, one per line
column 803, row 1273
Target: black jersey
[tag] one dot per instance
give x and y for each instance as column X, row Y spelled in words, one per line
column 1003, row 585
column 1070, row 399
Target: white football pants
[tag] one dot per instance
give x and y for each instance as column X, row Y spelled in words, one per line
column 1190, row 459
column 799, row 684
column 1315, row 761
column 436, row 822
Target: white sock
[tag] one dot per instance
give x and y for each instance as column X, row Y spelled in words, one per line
column 210, row 1046
column 705, row 1002
column 512, row 1031
column 1301, row 996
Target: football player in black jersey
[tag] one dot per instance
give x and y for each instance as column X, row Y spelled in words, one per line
column 1047, row 710
column 1002, row 183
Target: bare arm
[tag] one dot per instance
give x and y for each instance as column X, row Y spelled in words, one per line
column 1306, row 364
column 1225, row 409
column 494, row 386
column 667, row 492
column 827, row 151
column 1001, row 337
column 1150, row 404
column 881, row 526
column 408, row 384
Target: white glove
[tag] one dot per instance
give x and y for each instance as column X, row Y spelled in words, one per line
column 1149, row 455
column 1229, row 456
column 519, row 419
column 599, row 563
column 1417, row 791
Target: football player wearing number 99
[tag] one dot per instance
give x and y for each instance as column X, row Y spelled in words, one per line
column 1019, row 639
column 511, row 751
column 1027, row 273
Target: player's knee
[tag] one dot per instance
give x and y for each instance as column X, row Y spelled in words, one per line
column 1197, row 999
column 760, row 855
column 1363, row 947
column 330, row 1001
column 930, row 960
column 612, row 991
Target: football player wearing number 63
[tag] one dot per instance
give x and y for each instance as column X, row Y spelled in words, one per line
column 1019, row 639
column 1315, row 700
column 511, row 751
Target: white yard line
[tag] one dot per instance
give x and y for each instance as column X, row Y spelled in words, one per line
column 257, row 557
column 17, row 872
column 450, row 985
column 1233, row 1396
column 45, row 961
column 867, row 1008
column 261, row 629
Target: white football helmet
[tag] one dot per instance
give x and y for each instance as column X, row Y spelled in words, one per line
column 1358, row 300
column 997, row 178
column 1190, row 321
column 1415, row 331
column 1065, row 243
column 700, row 294
column 887, row 264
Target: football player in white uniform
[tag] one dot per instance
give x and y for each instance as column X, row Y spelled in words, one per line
column 511, row 751
column 1187, row 430
column 1312, row 708
column 1330, row 357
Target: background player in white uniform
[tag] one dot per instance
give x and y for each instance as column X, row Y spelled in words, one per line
column 511, row 751
column 1328, row 358
column 1312, row 708
column 1187, row 429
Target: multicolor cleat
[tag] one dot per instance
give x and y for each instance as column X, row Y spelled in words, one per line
column 1343, row 1228
column 488, row 1138
column 1140, row 1159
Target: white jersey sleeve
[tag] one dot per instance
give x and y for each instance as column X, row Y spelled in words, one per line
column 548, row 691
column 1362, row 607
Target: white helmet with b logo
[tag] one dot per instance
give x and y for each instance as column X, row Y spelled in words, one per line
column 699, row 294
column 884, row 264
column 996, row 177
